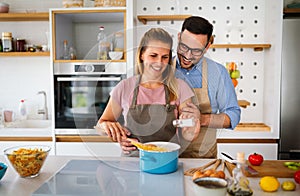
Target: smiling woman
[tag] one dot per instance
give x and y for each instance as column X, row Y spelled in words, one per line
column 152, row 99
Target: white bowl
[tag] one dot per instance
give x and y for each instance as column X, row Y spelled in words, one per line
column 210, row 186
column 113, row 55
column 4, row 7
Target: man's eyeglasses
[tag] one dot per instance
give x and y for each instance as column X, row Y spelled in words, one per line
column 194, row 51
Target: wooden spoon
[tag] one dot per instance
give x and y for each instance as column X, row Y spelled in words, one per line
column 190, row 172
column 147, row 147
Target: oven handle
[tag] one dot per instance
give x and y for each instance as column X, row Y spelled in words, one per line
column 71, row 79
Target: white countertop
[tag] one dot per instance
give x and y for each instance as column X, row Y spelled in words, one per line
column 13, row 185
column 26, row 132
column 231, row 134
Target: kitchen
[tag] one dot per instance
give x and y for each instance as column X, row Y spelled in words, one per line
column 258, row 68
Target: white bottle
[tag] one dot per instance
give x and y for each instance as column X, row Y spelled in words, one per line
column 23, row 110
column 190, row 122
column 103, row 45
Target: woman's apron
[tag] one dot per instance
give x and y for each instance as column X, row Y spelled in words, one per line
column 205, row 146
column 151, row 122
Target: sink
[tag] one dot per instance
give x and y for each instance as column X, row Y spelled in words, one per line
column 29, row 124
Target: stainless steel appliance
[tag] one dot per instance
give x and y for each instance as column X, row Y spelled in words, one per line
column 81, row 92
column 289, row 146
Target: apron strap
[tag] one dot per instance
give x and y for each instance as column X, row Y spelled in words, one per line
column 135, row 92
column 204, row 74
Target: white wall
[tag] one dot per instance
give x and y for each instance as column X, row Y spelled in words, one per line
column 22, row 77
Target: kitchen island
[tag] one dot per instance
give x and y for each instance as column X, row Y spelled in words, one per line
column 12, row 185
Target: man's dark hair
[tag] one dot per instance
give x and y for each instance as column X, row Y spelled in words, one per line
column 198, row 25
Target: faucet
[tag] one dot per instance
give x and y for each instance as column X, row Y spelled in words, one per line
column 44, row 111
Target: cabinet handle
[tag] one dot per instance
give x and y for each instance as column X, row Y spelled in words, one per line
column 71, row 79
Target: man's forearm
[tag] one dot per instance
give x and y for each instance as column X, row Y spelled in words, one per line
column 215, row 120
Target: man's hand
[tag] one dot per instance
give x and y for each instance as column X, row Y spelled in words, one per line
column 190, row 111
column 191, row 133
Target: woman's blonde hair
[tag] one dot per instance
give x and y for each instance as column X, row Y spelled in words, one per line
column 159, row 34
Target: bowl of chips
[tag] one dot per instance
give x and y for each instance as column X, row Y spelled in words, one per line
column 27, row 160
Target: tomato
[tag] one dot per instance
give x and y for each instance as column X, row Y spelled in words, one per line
column 255, row 159
column 297, row 176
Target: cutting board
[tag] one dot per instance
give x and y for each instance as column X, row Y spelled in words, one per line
column 274, row 168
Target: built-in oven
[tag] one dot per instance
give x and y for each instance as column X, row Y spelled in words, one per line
column 81, row 92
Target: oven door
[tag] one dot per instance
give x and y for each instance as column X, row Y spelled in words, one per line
column 81, row 100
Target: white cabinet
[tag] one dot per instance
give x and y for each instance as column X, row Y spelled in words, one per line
column 268, row 150
column 98, row 149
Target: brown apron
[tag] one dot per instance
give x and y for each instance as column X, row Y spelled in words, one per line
column 151, row 122
column 205, row 146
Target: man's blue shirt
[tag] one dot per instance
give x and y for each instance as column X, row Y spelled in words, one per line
column 221, row 91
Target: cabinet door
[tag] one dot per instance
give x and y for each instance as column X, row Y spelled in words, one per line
column 269, row 151
column 88, row 149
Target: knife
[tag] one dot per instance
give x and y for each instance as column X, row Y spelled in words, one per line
column 248, row 168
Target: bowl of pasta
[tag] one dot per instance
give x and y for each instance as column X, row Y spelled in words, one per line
column 27, row 160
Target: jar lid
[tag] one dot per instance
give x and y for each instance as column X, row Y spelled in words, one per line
column 6, row 34
column 119, row 34
column 4, row 4
column 20, row 39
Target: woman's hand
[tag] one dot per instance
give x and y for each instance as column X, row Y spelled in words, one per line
column 113, row 129
column 127, row 146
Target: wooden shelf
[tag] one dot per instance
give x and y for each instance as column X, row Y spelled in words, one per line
column 82, row 138
column 145, row 18
column 22, row 54
column 256, row 47
column 38, row 16
column 252, row 127
column 291, row 10
column 243, row 103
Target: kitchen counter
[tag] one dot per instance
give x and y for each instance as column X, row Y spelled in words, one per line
column 13, row 185
column 25, row 132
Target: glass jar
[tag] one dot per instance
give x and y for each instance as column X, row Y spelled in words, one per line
column 7, row 41
column 20, row 45
column 119, row 42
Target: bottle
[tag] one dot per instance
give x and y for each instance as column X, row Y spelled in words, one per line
column 190, row 122
column 103, row 45
column 23, row 110
column 240, row 184
column 66, row 51
column 72, row 53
